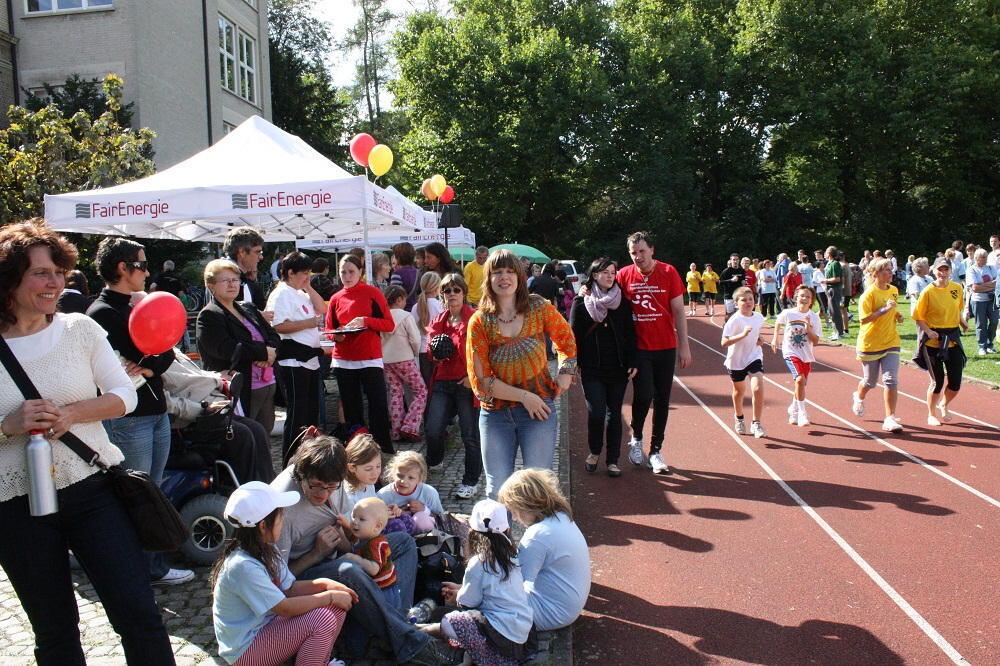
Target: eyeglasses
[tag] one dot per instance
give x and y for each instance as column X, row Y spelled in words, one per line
column 320, row 488
column 138, row 265
column 451, row 290
column 228, row 281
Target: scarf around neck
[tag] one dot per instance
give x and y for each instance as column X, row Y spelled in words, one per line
column 599, row 302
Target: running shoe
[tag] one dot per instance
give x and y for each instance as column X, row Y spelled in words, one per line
column 657, row 465
column 981, row 352
column 803, row 418
column 834, row 337
column 175, row 577
column 740, row 427
column 635, row 455
column 465, row 492
column 943, row 412
column 591, row 464
column 857, row 405
column 991, row 350
column 757, row 430
column 614, row 470
column 793, row 414
column 891, row 425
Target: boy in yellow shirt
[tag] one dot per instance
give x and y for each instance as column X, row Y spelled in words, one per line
column 709, row 286
column 693, row 279
column 878, row 342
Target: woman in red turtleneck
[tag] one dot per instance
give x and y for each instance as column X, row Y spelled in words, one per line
column 357, row 357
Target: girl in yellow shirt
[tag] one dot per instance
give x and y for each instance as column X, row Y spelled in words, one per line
column 693, row 280
column 878, row 342
column 709, row 285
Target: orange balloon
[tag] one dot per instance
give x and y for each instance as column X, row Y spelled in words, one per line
column 427, row 190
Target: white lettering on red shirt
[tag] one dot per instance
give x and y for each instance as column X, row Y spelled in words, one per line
column 650, row 296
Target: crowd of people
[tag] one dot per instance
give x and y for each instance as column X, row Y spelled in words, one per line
column 325, row 547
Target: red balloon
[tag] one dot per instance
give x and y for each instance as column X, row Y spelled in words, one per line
column 157, row 323
column 448, row 195
column 361, row 145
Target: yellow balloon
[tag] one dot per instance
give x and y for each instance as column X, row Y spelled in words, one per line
column 380, row 159
column 438, row 183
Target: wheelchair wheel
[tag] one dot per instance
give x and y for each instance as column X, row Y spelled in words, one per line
column 209, row 530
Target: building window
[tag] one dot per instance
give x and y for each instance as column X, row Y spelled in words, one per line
column 252, row 3
column 44, row 6
column 227, row 127
column 248, row 68
column 227, row 54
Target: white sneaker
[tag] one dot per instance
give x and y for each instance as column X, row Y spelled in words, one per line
column 981, row 352
column 740, row 427
column 943, row 412
column 891, row 425
column 635, row 455
column 175, row 577
column 834, row 337
column 657, row 465
column 857, row 405
column 465, row 492
column 793, row 414
column 803, row 418
column 757, row 429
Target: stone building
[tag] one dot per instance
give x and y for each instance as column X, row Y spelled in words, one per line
column 194, row 68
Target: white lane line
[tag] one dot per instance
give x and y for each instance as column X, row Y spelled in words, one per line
column 884, row 585
column 961, row 484
column 921, row 400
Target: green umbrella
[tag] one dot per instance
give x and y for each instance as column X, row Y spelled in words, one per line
column 462, row 253
column 536, row 256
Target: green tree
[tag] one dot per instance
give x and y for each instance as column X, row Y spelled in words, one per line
column 369, row 36
column 78, row 94
column 304, row 100
column 42, row 152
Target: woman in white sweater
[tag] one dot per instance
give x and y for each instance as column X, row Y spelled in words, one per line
column 399, row 353
column 67, row 358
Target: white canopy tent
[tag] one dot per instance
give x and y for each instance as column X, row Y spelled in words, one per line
column 457, row 237
column 257, row 175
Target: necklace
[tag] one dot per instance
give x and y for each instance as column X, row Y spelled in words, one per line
column 507, row 321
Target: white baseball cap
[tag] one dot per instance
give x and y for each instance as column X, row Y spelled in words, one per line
column 254, row 501
column 489, row 516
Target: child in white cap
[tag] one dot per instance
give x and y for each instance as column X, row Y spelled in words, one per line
column 494, row 625
column 262, row 615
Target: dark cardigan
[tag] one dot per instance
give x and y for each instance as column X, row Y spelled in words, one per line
column 219, row 332
column 607, row 350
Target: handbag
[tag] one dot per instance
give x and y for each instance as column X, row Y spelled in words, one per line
column 156, row 521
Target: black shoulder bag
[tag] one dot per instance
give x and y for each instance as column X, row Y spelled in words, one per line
column 156, row 521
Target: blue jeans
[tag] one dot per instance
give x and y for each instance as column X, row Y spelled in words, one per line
column 985, row 313
column 373, row 614
column 145, row 441
column 504, row 431
column 449, row 398
column 34, row 553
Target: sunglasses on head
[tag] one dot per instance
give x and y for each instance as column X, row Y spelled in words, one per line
column 137, row 265
column 451, row 290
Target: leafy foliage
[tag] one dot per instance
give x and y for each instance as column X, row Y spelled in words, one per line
column 78, row 94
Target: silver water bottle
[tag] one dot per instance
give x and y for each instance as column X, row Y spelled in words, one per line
column 42, row 498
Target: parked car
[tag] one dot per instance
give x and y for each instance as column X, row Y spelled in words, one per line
column 573, row 273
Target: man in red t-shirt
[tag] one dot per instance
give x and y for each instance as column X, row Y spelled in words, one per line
column 657, row 295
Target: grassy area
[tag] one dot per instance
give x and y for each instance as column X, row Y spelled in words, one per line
column 982, row 367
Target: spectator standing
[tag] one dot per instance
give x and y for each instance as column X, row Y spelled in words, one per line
column 438, row 259
column 656, row 292
column 297, row 319
column 710, row 284
column 225, row 324
column 167, row 280
column 833, row 280
column 399, row 353
column 405, row 274
column 451, row 390
column 67, row 357
column 427, row 307
column 357, row 357
column 918, row 281
column 509, row 371
column 792, row 282
column 768, row 290
column 781, row 268
column 320, row 278
column 605, row 340
column 982, row 283
column 143, row 435
column 749, row 275
column 76, row 296
column 381, row 270
column 245, row 246
column 473, row 274
column 993, row 258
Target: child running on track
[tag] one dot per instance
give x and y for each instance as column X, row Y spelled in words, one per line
column 741, row 335
column 801, row 331
column 709, row 285
column 878, row 342
column 693, row 279
column 262, row 615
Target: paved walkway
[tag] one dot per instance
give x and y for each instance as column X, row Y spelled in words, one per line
column 187, row 609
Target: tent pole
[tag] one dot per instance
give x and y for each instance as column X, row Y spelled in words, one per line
column 368, row 252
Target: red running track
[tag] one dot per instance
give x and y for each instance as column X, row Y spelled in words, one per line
column 831, row 544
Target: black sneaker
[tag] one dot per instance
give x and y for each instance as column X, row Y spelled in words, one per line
column 438, row 652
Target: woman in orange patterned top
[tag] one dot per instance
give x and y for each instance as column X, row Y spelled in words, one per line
column 509, row 370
